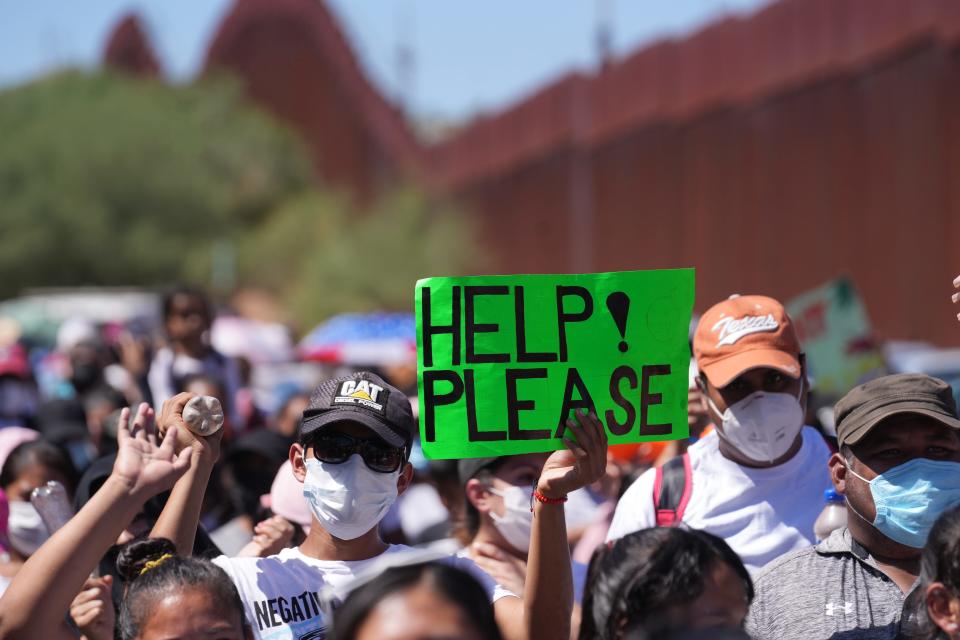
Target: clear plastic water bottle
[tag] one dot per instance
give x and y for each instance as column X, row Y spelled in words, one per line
column 833, row 516
column 53, row 505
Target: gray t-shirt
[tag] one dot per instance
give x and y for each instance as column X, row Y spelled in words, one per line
column 832, row 590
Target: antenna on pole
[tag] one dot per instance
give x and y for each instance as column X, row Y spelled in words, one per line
column 603, row 31
column 404, row 58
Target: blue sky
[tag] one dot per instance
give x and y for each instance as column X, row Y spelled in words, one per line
column 467, row 56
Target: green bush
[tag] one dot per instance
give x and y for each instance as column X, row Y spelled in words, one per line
column 324, row 257
column 111, row 180
column 107, row 179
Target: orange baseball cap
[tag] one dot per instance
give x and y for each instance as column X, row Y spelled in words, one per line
column 743, row 333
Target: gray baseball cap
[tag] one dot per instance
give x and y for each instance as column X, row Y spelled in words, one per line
column 866, row 406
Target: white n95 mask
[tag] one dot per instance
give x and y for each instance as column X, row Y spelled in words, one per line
column 25, row 528
column 763, row 425
column 348, row 499
column 516, row 523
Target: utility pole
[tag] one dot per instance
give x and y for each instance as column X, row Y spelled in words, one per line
column 404, row 58
column 603, row 31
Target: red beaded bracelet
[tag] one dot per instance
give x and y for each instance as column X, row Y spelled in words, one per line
column 539, row 497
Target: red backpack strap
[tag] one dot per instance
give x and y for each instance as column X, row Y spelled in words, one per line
column 832, row 443
column 672, row 486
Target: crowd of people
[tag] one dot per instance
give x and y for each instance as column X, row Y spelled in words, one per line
column 322, row 519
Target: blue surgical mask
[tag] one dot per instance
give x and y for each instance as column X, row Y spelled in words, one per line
column 910, row 497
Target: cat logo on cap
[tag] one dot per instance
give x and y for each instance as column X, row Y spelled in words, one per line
column 361, row 393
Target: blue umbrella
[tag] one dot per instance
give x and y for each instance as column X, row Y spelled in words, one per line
column 363, row 339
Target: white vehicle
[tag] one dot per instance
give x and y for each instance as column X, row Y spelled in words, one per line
column 922, row 357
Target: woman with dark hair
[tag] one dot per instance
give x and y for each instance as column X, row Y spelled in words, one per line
column 36, row 603
column 30, row 465
column 169, row 596
column 654, row 582
column 415, row 602
column 940, row 578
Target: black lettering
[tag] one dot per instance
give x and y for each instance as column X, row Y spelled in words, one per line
column 584, row 401
column 515, row 406
column 472, row 328
column 304, row 598
column 473, row 430
column 428, row 329
column 621, row 428
column 563, row 317
column 263, row 620
column 296, row 613
column 284, row 611
column 522, row 354
column 647, row 399
column 315, row 599
column 431, row 399
column 274, row 614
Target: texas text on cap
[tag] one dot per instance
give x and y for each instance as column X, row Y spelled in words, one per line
column 743, row 333
column 364, row 398
column 864, row 407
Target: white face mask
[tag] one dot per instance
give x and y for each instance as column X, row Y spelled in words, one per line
column 25, row 528
column 517, row 520
column 348, row 499
column 763, row 425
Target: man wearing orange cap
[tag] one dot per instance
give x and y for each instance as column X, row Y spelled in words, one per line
column 758, row 479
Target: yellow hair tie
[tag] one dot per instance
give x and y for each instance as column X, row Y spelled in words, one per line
column 153, row 564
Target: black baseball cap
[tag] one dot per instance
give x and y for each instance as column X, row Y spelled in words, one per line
column 364, row 398
column 469, row 467
column 866, row 406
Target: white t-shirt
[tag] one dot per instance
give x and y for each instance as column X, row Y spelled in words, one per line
column 282, row 594
column 761, row 513
column 166, row 366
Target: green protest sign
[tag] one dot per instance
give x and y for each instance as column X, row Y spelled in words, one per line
column 502, row 361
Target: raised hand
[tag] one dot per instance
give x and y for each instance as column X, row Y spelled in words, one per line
column 92, row 609
column 270, row 537
column 508, row 571
column 582, row 463
column 698, row 416
column 171, row 415
column 956, row 296
column 145, row 467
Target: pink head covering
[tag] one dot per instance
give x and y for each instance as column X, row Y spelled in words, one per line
column 14, row 362
column 286, row 498
column 11, row 438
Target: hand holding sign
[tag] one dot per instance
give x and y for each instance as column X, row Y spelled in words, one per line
column 582, row 463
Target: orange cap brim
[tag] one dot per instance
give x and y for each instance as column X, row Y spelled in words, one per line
column 722, row 372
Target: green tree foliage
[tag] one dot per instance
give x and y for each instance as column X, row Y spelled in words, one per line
column 107, row 179
column 325, row 258
column 112, row 180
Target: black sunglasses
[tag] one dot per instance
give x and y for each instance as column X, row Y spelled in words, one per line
column 336, row 448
